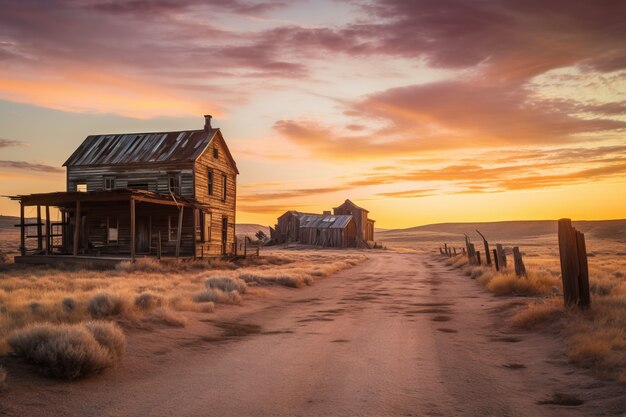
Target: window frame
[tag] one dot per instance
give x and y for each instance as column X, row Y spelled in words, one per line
column 210, row 181
column 81, row 187
column 176, row 189
column 111, row 185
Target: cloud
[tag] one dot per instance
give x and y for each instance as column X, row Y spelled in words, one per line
column 6, row 143
column 23, row 165
column 286, row 194
column 409, row 193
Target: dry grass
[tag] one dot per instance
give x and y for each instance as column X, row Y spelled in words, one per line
column 45, row 312
column 596, row 338
column 70, row 351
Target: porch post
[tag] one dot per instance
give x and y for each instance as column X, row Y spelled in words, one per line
column 196, row 215
column 22, row 230
column 48, row 237
column 76, row 228
column 132, row 230
column 39, row 229
column 180, row 230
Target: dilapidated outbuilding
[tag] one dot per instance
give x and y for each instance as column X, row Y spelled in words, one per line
column 336, row 231
column 348, row 227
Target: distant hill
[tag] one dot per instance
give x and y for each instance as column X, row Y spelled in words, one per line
column 504, row 231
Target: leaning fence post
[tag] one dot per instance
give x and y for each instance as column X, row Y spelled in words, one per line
column 487, row 255
column 477, row 257
column 520, row 269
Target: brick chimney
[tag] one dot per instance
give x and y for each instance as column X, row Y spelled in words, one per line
column 207, row 122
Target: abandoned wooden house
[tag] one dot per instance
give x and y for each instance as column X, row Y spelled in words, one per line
column 349, row 226
column 166, row 194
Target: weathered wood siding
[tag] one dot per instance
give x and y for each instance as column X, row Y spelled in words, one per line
column 288, row 227
column 330, row 237
column 215, row 203
column 155, row 176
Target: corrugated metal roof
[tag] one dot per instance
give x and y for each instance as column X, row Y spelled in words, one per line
column 141, row 148
column 319, row 221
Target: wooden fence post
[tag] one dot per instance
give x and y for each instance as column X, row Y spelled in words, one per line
column 445, row 248
column 454, row 251
column 441, row 251
column 487, row 254
column 520, row 269
column 574, row 267
column 501, row 256
column 583, row 278
column 477, row 257
column 495, row 260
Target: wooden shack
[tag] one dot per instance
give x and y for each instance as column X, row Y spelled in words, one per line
column 139, row 194
column 336, row 231
column 364, row 225
column 288, row 227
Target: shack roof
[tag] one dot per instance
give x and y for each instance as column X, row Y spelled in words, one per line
column 319, row 221
column 140, row 148
column 349, row 202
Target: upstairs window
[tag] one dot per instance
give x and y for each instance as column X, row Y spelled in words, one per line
column 216, row 152
column 210, row 181
column 224, row 186
column 174, row 184
column 109, row 183
column 81, row 187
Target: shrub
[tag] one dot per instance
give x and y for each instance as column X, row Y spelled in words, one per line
column 285, row 278
column 109, row 335
column 533, row 284
column 105, row 305
column 69, row 351
column 69, row 305
column 227, row 283
column 147, row 301
column 217, row 296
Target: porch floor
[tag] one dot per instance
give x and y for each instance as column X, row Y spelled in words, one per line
column 81, row 259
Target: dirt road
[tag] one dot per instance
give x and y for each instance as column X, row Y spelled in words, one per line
column 400, row 335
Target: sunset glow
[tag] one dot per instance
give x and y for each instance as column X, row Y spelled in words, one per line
column 421, row 111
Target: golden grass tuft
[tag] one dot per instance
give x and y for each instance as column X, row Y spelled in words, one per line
column 534, row 283
column 70, row 351
column 168, row 317
column 538, row 313
column 148, row 301
column 215, row 295
column 104, row 305
column 227, row 283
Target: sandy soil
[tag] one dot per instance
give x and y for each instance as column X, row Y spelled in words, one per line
column 399, row 335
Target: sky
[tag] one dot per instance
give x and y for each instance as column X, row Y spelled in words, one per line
column 421, row 111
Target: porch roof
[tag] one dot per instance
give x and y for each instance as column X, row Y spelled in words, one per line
column 69, row 198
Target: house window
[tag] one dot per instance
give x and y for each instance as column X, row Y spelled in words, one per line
column 224, row 186
column 210, row 181
column 113, row 227
column 208, row 217
column 81, row 187
column 216, row 152
column 174, row 184
column 109, row 183
column 172, row 228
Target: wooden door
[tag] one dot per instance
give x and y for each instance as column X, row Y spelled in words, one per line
column 143, row 234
